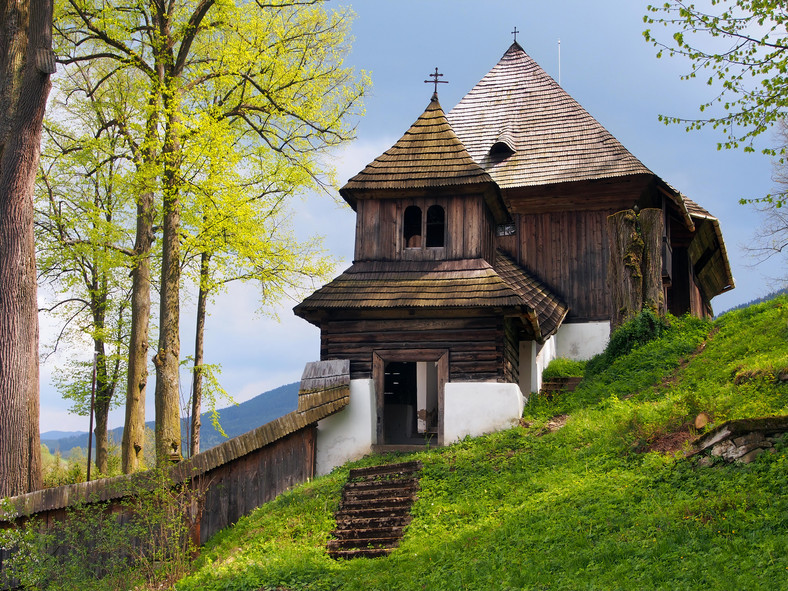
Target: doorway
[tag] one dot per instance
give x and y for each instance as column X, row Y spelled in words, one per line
column 410, row 401
column 409, row 392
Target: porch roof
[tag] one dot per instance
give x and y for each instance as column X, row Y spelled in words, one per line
column 434, row 285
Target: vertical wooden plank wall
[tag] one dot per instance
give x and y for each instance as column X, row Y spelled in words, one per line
column 238, row 487
column 568, row 251
column 469, row 231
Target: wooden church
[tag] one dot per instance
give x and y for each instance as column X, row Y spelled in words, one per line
column 481, row 253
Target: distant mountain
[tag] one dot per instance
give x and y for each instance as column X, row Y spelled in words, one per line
column 59, row 434
column 235, row 420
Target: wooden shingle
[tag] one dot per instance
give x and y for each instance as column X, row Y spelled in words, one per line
column 469, row 284
column 553, row 138
column 708, row 251
column 428, row 155
column 550, row 309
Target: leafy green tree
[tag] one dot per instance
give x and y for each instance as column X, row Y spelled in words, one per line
column 740, row 48
column 268, row 74
column 84, row 225
column 239, row 230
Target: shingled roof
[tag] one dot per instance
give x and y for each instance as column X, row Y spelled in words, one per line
column 546, row 135
column 428, row 155
column 408, row 285
column 550, row 310
column 708, row 250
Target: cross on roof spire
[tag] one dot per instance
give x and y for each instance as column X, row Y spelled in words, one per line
column 515, row 34
column 435, row 81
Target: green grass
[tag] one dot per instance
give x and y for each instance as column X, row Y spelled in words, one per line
column 579, row 508
column 561, row 367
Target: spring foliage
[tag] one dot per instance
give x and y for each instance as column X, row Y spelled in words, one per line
column 223, row 111
column 740, row 49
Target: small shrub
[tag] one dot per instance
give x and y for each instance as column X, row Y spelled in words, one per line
column 561, row 367
column 144, row 543
column 643, row 328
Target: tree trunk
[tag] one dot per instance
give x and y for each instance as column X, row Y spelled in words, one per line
column 625, row 277
column 651, row 230
column 104, row 391
column 202, row 304
column 137, row 379
column 635, row 270
column 167, row 358
column 26, row 62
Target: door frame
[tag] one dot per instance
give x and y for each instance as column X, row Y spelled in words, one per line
column 382, row 356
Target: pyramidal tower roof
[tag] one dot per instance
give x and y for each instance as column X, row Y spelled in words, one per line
column 429, row 155
column 525, row 130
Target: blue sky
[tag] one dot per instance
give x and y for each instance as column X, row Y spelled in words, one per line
column 605, row 65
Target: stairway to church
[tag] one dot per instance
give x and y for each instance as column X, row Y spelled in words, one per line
column 552, row 388
column 375, row 510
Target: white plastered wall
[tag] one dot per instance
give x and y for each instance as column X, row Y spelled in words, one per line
column 533, row 359
column 476, row 408
column 574, row 341
column 470, row 408
column 349, row 434
column 582, row 340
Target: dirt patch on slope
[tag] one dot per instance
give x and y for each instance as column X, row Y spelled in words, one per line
column 671, row 442
column 553, row 425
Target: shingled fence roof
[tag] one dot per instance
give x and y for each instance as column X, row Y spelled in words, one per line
column 315, row 402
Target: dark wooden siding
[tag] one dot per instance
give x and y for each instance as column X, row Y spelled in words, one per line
column 469, row 232
column 568, row 251
column 476, row 345
column 684, row 295
column 232, row 489
column 238, row 487
column 511, row 357
column 678, row 301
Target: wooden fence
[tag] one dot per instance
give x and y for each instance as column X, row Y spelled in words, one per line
column 236, row 476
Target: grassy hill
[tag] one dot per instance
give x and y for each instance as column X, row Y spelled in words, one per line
column 591, row 491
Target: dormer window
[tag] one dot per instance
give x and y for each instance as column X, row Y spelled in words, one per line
column 501, row 150
column 503, row 147
column 436, row 226
column 412, row 227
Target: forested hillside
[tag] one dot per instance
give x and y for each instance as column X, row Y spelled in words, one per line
column 234, row 420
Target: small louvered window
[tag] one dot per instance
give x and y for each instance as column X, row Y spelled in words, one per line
column 412, row 227
column 436, row 226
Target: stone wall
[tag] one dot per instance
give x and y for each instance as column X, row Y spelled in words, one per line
column 741, row 440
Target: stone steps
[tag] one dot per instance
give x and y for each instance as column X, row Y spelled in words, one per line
column 551, row 388
column 375, row 510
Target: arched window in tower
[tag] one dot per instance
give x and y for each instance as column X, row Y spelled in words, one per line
column 436, row 226
column 412, row 227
